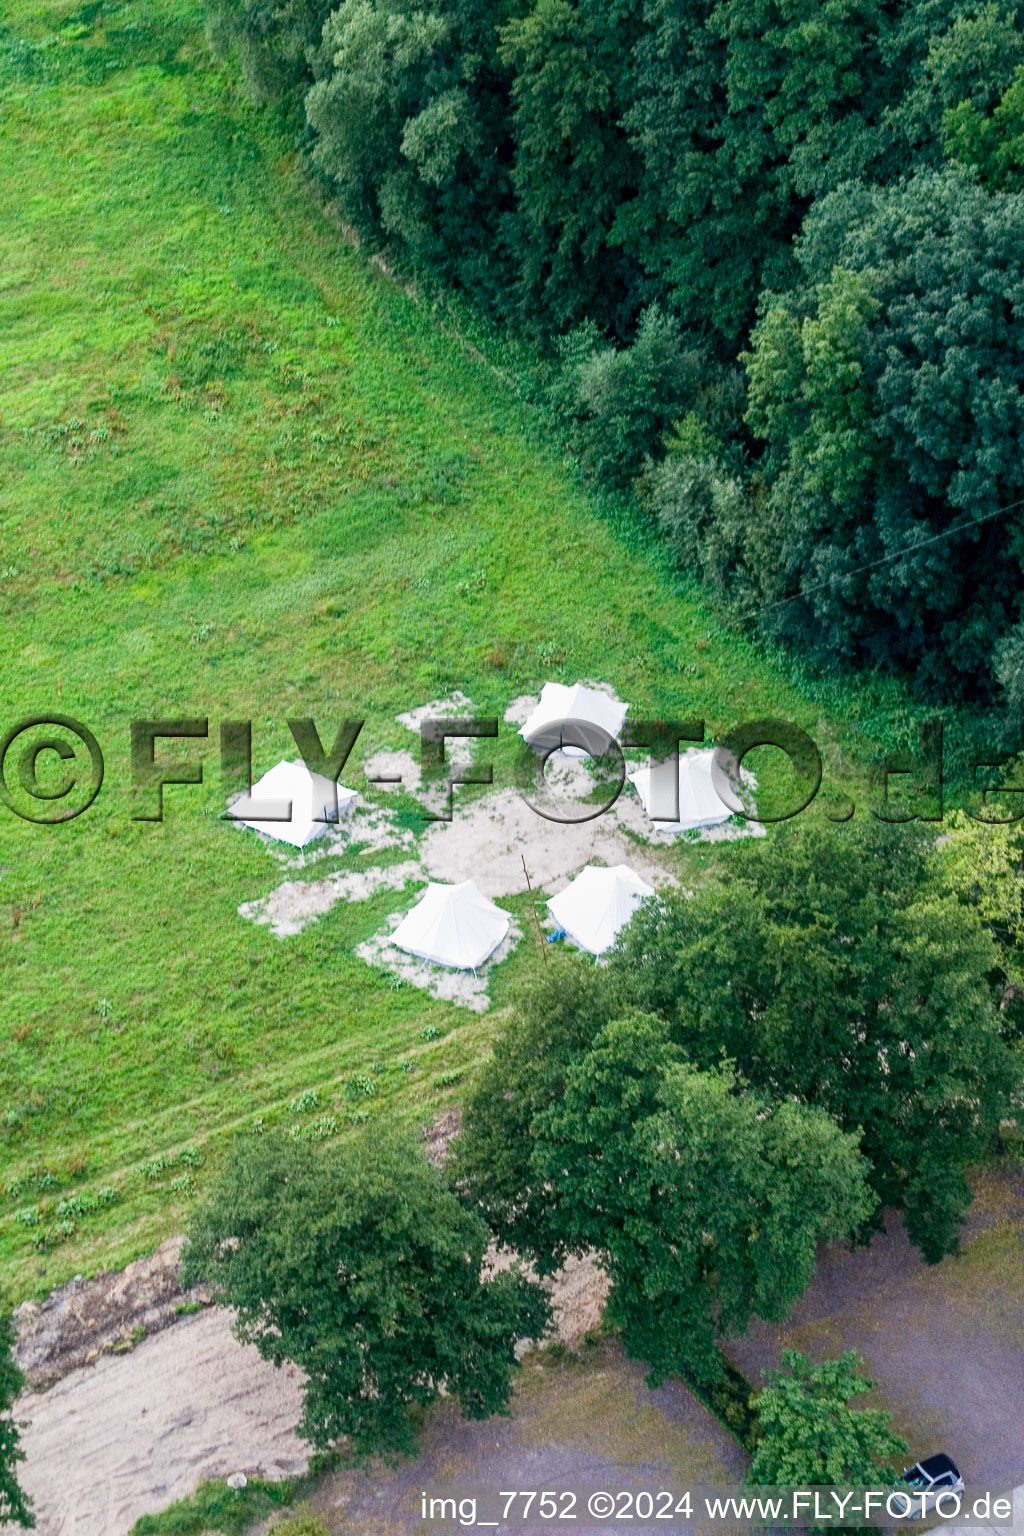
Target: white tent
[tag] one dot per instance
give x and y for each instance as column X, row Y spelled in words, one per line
column 588, row 706
column 310, row 795
column 699, row 805
column 452, row 925
column 598, row 905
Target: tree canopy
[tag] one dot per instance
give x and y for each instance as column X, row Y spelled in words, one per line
column 357, row 1263
column 889, row 388
column 808, row 1432
column 706, row 1205
column 835, row 967
column 705, row 1202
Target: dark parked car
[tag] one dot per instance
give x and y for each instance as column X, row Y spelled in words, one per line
column 924, row 1482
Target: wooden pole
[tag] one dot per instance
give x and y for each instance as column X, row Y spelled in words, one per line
column 529, row 887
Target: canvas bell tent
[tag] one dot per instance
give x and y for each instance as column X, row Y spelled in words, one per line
column 453, row 925
column 584, row 706
column 598, row 904
column 699, row 804
column 310, row 795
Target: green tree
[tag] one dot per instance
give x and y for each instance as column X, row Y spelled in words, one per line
column 831, row 966
column 809, row 1433
column 275, row 40
column 993, row 143
column 376, row 70
column 703, row 230
column 706, row 1205
column 741, row 114
column 15, row 1506
column 969, row 61
column 983, row 865
column 555, row 1020
column 806, row 87
column 358, row 1263
column 702, row 508
column 889, row 391
column 1009, row 669
column 573, row 162
column 807, row 387
column 619, row 402
column 410, row 121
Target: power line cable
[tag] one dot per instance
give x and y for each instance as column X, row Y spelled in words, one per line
column 887, row 559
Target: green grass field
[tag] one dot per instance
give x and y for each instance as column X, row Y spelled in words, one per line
column 243, row 474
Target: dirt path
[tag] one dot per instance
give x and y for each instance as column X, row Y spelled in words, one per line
column 576, row 1424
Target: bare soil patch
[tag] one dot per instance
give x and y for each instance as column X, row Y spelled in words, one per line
column 131, row 1433
column 492, row 835
column 295, row 903
column 85, row 1319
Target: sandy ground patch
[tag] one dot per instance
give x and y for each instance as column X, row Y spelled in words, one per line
column 456, row 705
column 577, row 1298
column 578, row 1293
column 132, row 1433
column 289, row 908
column 84, row 1319
column 490, row 836
column 520, row 710
column 385, row 767
column 458, row 752
column 470, row 989
column 399, row 772
column 365, row 829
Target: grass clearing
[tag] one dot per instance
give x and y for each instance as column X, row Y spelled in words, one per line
column 244, row 475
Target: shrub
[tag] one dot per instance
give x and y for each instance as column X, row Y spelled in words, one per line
column 809, row 1434
column 703, row 512
column 216, row 1507
column 618, row 403
column 360, row 1086
column 308, row 1099
column 15, row 1507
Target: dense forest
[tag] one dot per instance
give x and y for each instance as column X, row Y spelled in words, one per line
column 775, row 250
